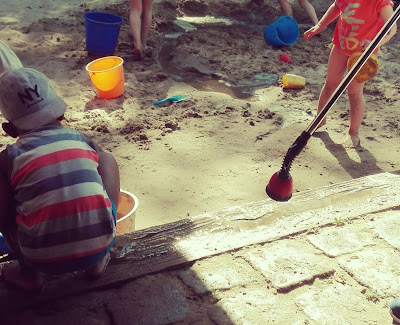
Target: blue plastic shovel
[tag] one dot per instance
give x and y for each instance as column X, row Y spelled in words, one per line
column 176, row 98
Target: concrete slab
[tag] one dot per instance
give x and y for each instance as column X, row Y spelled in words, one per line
column 376, row 268
column 340, row 305
column 219, row 273
column 387, row 227
column 342, row 240
column 288, row 264
column 142, row 302
column 257, row 307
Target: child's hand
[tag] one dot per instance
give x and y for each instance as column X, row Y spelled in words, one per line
column 313, row 31
column 364, row 44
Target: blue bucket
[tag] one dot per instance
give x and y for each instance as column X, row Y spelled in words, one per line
column 283, row 31
column 102, row 31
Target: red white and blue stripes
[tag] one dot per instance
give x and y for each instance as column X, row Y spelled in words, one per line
column 64, row 218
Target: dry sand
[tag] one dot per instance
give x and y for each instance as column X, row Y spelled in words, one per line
column 220, row 147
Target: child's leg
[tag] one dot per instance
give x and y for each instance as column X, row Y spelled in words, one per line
column 17, row 272
column 96, row 270
column 135, row 21
column 146, row 21
column 286, row 8
column 357, row 106
column 309, row 9
column 22, row 277
column 337, row 66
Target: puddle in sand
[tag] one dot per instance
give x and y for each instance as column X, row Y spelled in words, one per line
column 250, row 90
column 243, row 89
column 208, row 20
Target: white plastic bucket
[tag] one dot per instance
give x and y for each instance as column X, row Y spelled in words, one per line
column 126, row 212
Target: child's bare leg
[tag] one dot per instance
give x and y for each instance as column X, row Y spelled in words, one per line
column 22, row 277
column 357, row 110
column 357, row 106
column 16, row 272
column 135, row 21
column 337, row 66
column 286, row 8
column 146, row 21
column 96, row 270
column 309, row 9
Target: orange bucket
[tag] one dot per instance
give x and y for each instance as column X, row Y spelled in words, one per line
column 369, row 69
column 107, row 75
column 126, row 212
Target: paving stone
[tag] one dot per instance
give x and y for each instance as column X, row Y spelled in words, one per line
column 340, row 305
column 254, row 307
column 220, row 272
column 342, row 240
column 387, row 227
column 288, row 263
column 152, row 300
column 376, row 268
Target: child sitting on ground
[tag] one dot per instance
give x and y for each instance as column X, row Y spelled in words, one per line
column 58, row 190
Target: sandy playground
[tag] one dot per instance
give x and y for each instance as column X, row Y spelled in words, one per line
column 218, row 148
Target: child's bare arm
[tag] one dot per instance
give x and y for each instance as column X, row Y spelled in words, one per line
column 385, row 13
column 330, row 15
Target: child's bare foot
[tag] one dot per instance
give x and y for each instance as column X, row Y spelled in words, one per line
column 138, row 54
column 22, row 277
column 95, row 271
column 352, row 141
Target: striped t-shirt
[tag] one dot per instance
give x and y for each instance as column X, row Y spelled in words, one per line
column 64, row 215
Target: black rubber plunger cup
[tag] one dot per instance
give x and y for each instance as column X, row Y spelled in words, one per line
column 280, row 186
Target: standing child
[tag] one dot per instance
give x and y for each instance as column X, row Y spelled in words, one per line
column 58, row 190
column 140, row 16
column 305, row 4
column 359, row 22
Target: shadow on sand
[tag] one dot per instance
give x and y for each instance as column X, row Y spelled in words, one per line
column 353, row 168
